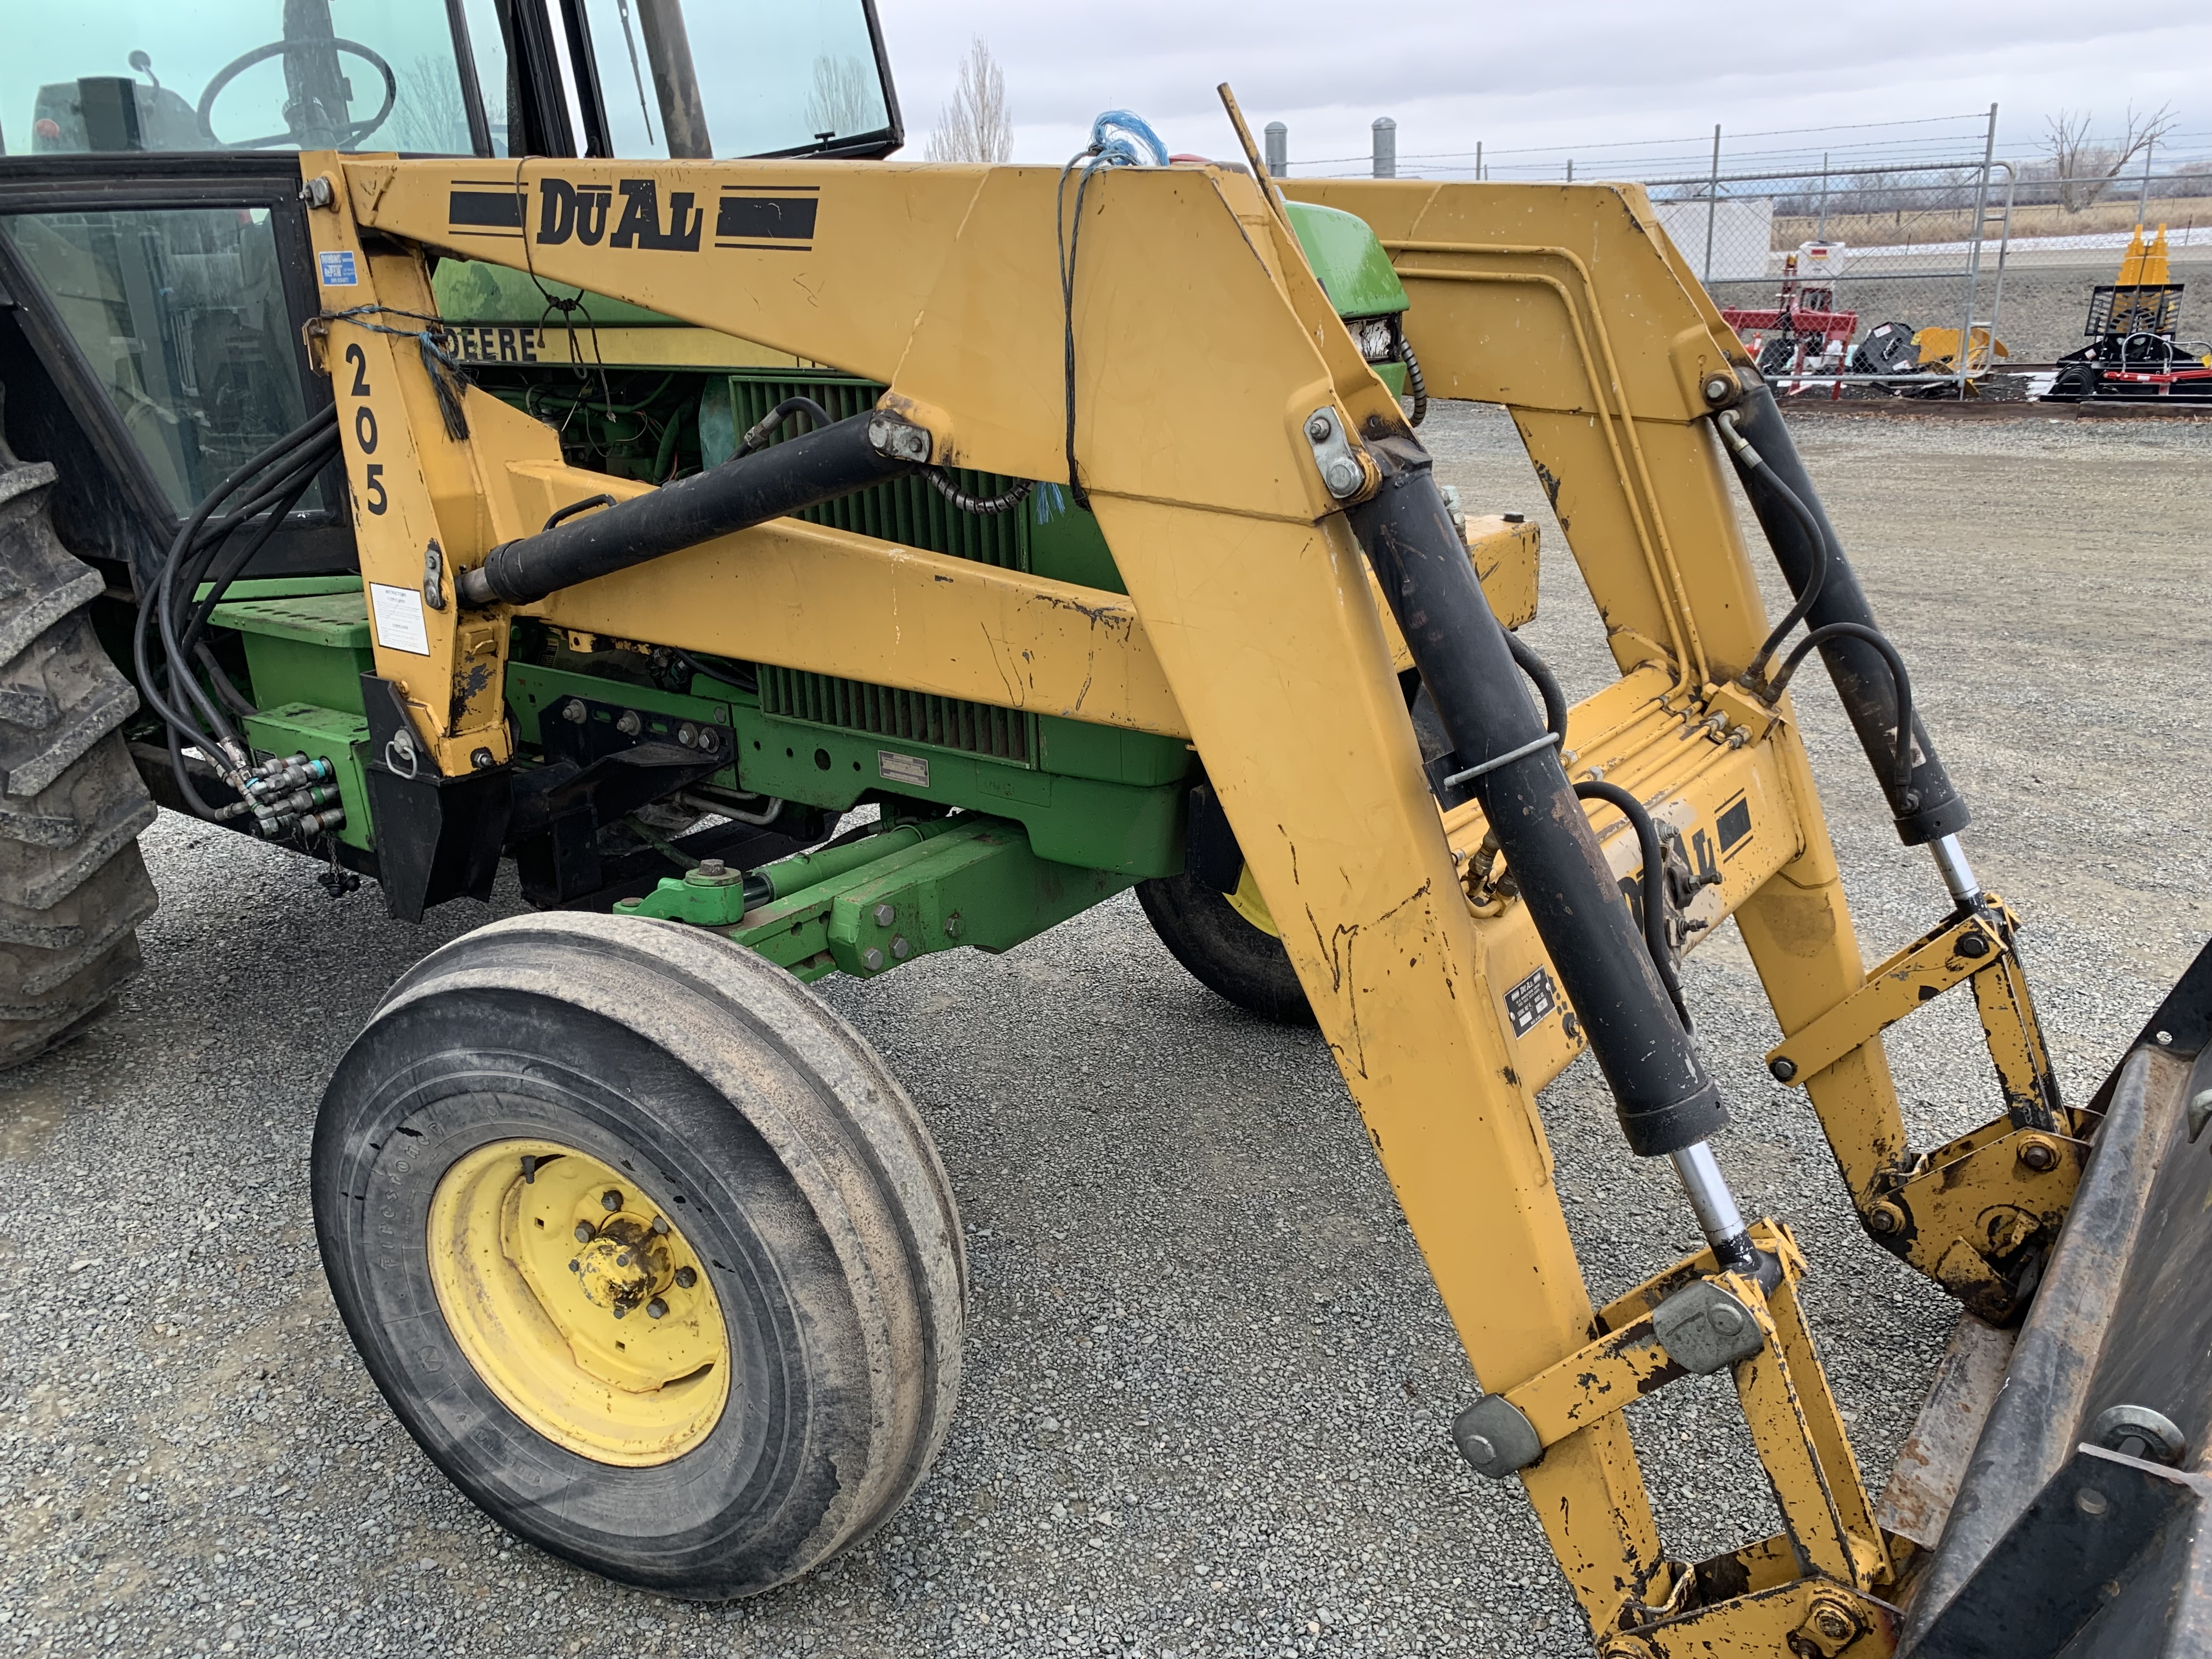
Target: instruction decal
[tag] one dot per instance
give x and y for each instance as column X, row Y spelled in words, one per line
column 400, row 624
column 1527, row 1003
column 337, row 269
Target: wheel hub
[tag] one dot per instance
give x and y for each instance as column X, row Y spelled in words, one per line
column 579, row 1302
column 622, row 1267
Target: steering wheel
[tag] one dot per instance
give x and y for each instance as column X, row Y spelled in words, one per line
column 347, row 139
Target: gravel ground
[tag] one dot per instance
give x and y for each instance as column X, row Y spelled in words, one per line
column 1209, row 1382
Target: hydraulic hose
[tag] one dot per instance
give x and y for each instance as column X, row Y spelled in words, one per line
column 1547, row 684
column 1654, row 884
column 1925, row 805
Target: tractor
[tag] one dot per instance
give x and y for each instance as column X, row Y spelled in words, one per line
column 563, row 434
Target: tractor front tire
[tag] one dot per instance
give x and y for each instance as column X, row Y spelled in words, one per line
column 646, row 1248
column 73, row 888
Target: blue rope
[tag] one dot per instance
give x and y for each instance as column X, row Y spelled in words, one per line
column 1118, row 139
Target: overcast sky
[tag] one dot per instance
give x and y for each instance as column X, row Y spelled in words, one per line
column 1579, row 74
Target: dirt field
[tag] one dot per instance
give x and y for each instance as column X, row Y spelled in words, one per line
column 1206, row 1405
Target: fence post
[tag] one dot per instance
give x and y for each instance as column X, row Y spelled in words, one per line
column 1974, row 262
column 1478, row 160
column 1570, row 169
column 1279, row 150
column 1820, row 233
column 1712, row 203
column 1386, row 148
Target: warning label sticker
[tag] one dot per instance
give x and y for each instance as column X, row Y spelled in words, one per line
column 1528, row 1002
column 400, row 624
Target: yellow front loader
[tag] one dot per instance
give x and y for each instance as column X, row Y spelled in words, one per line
column 648, row 1249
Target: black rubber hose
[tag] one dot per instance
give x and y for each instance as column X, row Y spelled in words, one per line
column 758, row 433
column 1758, row 476
column 722, row 676
column 1901, row 773
column 1654, row 884
column 1930, row 806
column 1547, row 684
column 1414, row 382
column 941, row 481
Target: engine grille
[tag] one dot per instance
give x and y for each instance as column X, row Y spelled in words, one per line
column 908, row 511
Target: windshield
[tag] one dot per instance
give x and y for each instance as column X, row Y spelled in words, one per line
column 132, row 74
column 737, row 78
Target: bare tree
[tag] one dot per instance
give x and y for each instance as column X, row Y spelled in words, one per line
column 2083, row 168
column 845, row 100
column 975, row 126
column 429, row 114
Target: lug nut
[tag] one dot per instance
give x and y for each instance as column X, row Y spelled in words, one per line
column 583, row 1232
column 660, row 1223
column 610, row 1199
column 900, row 948
column 885, row 915
column 656, row 1309
column 871, row 957
column 686, row 1278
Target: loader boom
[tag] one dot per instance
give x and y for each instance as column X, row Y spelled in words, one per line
column 1251, row 628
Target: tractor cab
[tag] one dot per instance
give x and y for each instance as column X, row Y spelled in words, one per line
column 484, row 77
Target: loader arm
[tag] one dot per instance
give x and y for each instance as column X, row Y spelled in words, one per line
column 1250, row 626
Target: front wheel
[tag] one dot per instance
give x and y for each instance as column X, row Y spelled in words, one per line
column 645, row 1248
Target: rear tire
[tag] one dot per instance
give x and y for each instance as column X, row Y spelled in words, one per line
column 722, row 1096
column 73, row 888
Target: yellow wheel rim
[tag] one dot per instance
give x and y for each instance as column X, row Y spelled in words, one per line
column 1247, row 903
column 579, row 1303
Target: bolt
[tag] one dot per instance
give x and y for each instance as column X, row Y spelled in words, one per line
column 1725, row 1318
column 871, row 957
column 610, row 1199
column 707, row 740
column 1479, row 1449
column 629, row 723
column 573, row 711
column 482, row 760
column 1885, row 1217
column 583, row 1232
column 660, row 1225
column 1834, row 1622
column 686, row 1278
column 885, row 915
column 711, row 867
column 1319, row 429
column 656, row 1309
column 2037, row 1154
column 1717, row 388
column 900, row 948
column 2091, row 1502
column 1341, row 475
column 1784, row 1068
column 1973, row 945
column 687, row 735
column 620, row 1310
column 953, row 925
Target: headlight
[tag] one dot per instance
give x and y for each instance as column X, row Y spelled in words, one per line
column 1375, row 337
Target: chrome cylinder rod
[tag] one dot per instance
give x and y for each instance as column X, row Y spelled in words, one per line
column 1722, row 1223
column 1957, row 874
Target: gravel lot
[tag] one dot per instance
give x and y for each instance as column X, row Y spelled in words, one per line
column 1209, row 1382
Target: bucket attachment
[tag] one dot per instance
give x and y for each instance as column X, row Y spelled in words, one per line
column 2082, row 1522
